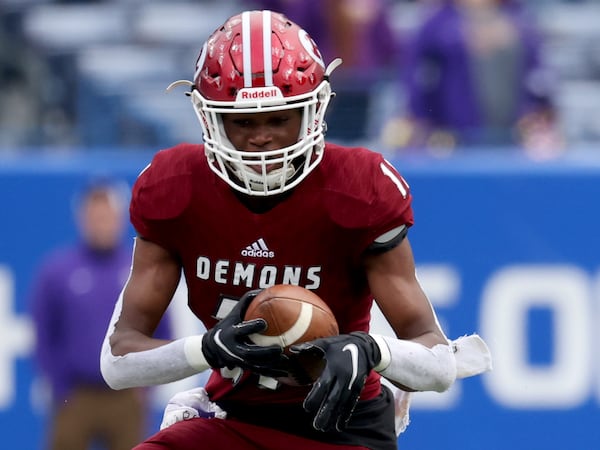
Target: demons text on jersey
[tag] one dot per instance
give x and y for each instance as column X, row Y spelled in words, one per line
column 253, row 276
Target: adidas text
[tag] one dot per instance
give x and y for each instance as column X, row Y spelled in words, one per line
column 258, row 253
column 258, row 249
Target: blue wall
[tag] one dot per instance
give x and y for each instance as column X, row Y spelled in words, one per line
column 505, row 247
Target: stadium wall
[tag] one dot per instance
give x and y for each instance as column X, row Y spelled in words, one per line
column 505, row 247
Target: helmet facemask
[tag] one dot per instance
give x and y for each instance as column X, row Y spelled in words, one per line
column 247, row 171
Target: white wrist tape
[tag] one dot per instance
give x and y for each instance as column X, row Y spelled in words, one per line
column 171, row 362
column 415, row 366
column 192, row 347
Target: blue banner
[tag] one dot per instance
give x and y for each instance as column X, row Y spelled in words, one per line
column 505, row 247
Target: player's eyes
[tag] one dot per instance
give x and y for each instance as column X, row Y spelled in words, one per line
column 279, row 121
column 242, row 123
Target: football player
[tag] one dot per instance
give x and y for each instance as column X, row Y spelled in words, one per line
column 263, row 201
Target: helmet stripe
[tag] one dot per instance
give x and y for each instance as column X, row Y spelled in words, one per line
column 257, row 29
column 246, row 49
column 200, row 62
column 268, row 58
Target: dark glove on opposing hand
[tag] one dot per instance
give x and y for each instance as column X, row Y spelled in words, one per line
column 349, row 360
column 227, row 343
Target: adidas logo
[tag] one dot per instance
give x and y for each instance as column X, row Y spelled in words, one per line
column 258, row 249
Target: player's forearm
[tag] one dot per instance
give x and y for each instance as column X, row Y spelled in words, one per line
column 164, row 364
column 416, row 366
column 129, row 359
column 123, row 341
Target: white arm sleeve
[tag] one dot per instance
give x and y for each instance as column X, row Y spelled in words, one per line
column 416, row 366
column 171, row 362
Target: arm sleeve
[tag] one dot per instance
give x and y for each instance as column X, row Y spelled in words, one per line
column 415, row 366
column 171, row 362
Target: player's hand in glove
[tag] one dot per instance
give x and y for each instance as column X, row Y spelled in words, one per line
column 227, row 343
column 349, row 360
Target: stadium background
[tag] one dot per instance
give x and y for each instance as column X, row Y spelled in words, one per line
column 506, row 242
column 505, row 247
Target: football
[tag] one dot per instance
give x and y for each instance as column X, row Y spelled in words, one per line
column 293, row 315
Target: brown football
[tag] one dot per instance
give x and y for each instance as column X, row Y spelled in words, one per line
column 293, row 315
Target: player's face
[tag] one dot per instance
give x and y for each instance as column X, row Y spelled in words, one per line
column 260, row 132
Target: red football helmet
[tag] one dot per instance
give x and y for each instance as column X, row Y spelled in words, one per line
column 260, row 61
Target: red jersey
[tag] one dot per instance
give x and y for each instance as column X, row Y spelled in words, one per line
column 314, row 238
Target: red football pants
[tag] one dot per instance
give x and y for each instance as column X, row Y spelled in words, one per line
column 218, row 434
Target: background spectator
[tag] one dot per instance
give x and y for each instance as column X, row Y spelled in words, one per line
column 72, row 299
column 474, row 78
column 83, row 57
column 35, row 97
column 20, row 96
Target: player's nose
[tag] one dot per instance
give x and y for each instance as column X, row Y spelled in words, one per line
column 260, row 137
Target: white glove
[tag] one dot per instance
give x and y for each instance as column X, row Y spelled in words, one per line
column 188, row 405
column 472, row 356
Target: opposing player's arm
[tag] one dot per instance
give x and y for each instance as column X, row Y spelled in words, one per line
column 420, row 358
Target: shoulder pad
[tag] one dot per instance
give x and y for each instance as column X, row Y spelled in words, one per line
column 164, row 188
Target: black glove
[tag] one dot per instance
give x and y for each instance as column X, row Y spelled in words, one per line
column 349, row 360
column 227, row 343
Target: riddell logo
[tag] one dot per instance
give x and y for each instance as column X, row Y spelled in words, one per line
column 258, row 249
column 258, row 93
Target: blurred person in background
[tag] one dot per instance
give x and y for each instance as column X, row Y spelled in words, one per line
column 32, row 113
column 73, row 297
column 361, row 34
column 474, row 78
column 20, row 96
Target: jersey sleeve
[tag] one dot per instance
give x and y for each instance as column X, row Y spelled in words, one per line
column 371, row 198
column 160, row 195
column 391, row 203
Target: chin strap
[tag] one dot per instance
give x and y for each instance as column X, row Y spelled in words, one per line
column 274, row 179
